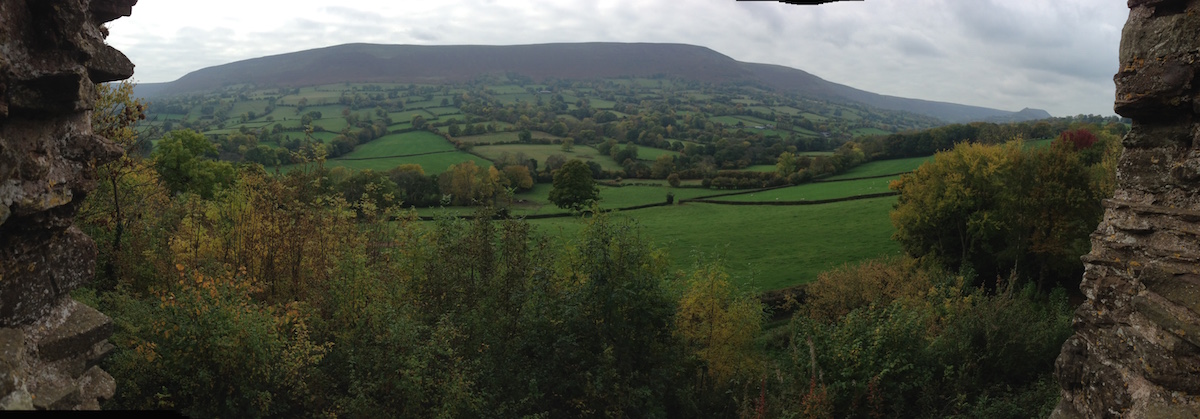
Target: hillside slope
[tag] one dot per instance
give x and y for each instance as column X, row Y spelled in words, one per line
column 365, row 63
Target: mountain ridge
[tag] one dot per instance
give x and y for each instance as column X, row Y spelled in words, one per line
column 379, row 63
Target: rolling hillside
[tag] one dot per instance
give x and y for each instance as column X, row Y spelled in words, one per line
column 363, row 63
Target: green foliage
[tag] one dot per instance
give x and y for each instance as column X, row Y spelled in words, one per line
column 995, row 209
column 205, row 347
column 618, row 355
column 268, row 300
column 574, row 187
column 945, row 351
column 184, row 161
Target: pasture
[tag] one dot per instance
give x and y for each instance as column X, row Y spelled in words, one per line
column 502, row 137
column 882, row 167
column 763, row 247
column 400, row 145
column 540, row 152
column 815, row 191
column 651, row 153
column 432, row 163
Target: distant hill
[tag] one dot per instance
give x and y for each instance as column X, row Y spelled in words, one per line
column 366, row 63
column 1026, row 114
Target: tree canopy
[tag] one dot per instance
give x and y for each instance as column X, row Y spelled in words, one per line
column 1000, row 209
column 184, row 161
column 573, row 186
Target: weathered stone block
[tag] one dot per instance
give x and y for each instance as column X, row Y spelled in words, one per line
column 1161, row 316
column 108, row 10
column 37, row 269
column 58, row 395
column 109, row 64
column 18, row 400
column 82, row 329
column 65, row 92
column 100, row 351
column 96, row 384
column 12, row 356
column 1183, row 290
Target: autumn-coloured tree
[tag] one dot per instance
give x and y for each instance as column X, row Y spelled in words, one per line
column 718, row 324
column 468, row 184
column 128, row 185
column 518, row 177
column 1000, row 209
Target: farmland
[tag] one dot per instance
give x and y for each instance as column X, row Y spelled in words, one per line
column 814, row 191
column 798, row 243
column 541, row 152
column 689, row 128
column 420, row 142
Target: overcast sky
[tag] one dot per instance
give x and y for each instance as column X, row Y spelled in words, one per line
column 1057, row 55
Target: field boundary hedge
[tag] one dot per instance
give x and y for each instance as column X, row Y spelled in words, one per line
column 552, row 215
column 802, row 202
column 859, row 178
column 392, row 157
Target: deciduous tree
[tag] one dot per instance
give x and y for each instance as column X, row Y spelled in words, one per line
column 574, row 187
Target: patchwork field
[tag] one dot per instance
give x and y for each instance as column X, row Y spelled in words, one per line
column 540, row 152
column 815, row 191
column 432, row 163
column 502, row 137
column 882, row 167
column 400, row 145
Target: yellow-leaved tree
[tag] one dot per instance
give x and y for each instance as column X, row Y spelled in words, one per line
column 718, row 324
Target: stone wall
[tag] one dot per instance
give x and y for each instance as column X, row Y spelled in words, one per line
column 1136, row 347
column 52, row 52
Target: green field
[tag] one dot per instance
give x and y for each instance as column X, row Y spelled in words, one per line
column 406, row 116
column 331, row 124
column 651, row 153
column 432, row 163
column 858, row 132
column 628, row 196
column 324, row 136
column 883, row 167
column 400, row 144
column 815, row 191
column 502, row 137
column 764, row 247
column 447, row 111
column 541, row 151
column 536, row 201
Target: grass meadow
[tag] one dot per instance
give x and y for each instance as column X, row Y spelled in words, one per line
column 541, row 151
column 815, row 191
column 432, row 163
column 401, row 144
column 773, row 246
column 502, row 137
column 882, row 167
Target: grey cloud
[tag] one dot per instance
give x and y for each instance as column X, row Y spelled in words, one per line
column 423, row 35
column 917, row 46
column 354, row 14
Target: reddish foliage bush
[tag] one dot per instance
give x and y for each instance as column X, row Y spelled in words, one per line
column 1080, row 138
